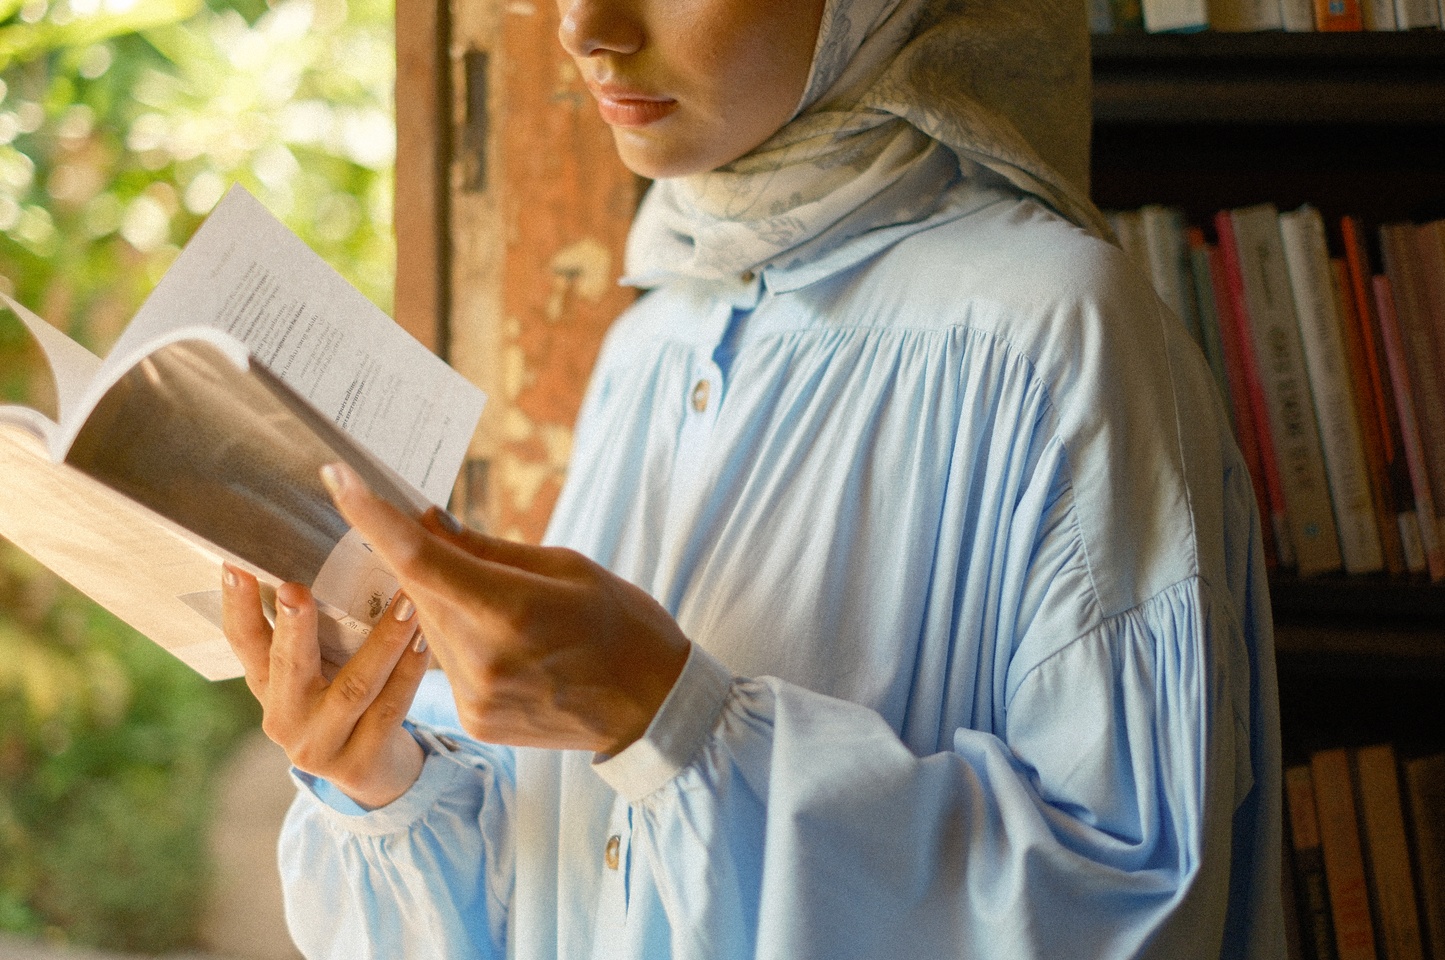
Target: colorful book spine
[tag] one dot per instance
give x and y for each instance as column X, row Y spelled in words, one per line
column 1382, row 494
column 1250, row 419
column 1337, row 16
column 1387, row 852
column 1379, row 422
column 1409, row 427
column 1311, row 889
column 1311, row 279
column 1258, row 258
column 1343, row 855
column 1373, row 382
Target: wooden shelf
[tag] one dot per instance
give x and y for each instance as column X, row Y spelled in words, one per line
column 1375, row 600
column 1376, row 625
column 1270, row 78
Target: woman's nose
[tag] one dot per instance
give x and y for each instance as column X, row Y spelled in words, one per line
column 599, row 26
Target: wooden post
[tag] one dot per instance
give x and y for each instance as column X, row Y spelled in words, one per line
column 537, row 207
column 422, row 151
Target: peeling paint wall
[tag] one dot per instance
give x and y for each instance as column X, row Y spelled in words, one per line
column 539, row 207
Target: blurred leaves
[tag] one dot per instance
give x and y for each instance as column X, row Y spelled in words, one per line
column 122, row 122
column 106, row 746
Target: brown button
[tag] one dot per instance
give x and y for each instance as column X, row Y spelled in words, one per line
column 614, row 846
column 748, row 276
column 699, row 396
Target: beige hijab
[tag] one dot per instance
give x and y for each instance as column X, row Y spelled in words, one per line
column 902, row 94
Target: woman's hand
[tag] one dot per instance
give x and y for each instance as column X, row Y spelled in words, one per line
column 543, row 647
column 348, row 730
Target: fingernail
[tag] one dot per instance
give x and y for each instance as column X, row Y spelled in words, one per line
column 228, row 576
column 450, row 523
column 404, row 609
column 419, row 644
column 285, row 607
column 334, row 478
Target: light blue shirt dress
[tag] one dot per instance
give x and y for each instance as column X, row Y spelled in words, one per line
column 982, row 659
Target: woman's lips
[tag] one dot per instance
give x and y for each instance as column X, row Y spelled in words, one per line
column 628, row 108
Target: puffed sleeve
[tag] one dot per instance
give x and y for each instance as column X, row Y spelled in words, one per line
column 429, row 875
column 796, row 825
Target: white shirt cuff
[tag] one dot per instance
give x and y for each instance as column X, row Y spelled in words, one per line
column 683, row 722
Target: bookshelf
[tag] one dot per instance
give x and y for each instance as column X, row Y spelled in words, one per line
column 1351, row 123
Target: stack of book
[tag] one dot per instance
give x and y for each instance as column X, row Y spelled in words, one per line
column 1295, row 16
column 1334, row 375
column 1364, row 859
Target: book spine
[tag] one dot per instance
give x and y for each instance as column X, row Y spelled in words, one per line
column 1416, row 14
column 1344, row 859
column 1387, row 852
column 1201, row 272
column 1128, row 16
column 1302, row 234
column 1422, row 352
column 1168, row 264
column 1379, row 424
column 1338, row 16
column 1425, row 787
column 1245, row 16
column 1245, row 387
column 1290, row 896
column 1298, row 16
column 1409, row 429
column 1378, row 15
column 1175, row 16
column 1430, row 259
column 1309, row 858
column 1101, row 16
column 1275, row 332
column 1381, row 489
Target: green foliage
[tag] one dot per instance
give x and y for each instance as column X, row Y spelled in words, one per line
column 106, row 746
column 122, row 122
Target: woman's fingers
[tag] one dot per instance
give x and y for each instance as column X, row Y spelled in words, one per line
column 245, row 625
column 295, row 663
column 431, row 567
column 391, row 704
column 359, row 683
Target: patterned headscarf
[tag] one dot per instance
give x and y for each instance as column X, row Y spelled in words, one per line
column 901, row 94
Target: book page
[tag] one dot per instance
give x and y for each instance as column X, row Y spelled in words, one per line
column 112, row 552
column 246, row 274
column 71, row 365
column 214, row 447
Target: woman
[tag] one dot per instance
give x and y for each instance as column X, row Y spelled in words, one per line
column 960, row 643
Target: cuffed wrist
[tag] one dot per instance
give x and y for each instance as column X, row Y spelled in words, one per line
column 440, row 772
column 684, row 721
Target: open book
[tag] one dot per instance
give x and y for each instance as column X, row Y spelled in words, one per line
column 199, row 439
